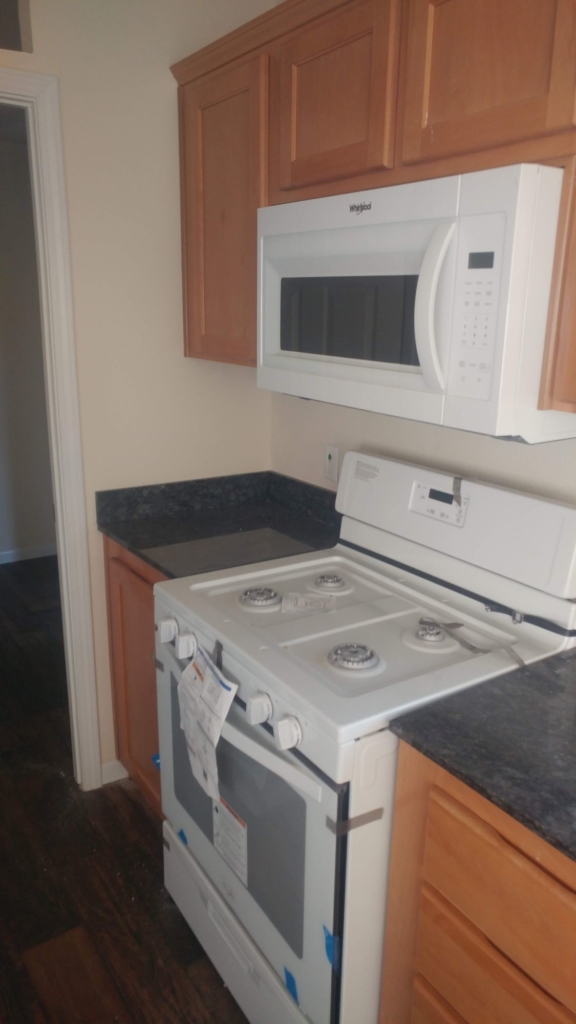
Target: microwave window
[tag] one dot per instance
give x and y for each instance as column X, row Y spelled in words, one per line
column 368, row 318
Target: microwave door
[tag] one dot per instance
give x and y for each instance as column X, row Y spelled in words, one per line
column 425, row 306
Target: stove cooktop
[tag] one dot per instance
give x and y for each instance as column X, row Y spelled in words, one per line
column 349, row 629
column 354, row 639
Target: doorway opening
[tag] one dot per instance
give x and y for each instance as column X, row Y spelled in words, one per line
column 34, row 98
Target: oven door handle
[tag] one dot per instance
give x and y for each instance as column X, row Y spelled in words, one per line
column 425, row 305
column 273, row 762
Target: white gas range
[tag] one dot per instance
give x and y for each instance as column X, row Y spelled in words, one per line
column 437, row 584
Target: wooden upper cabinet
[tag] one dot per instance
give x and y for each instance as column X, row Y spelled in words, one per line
column 224, row 139
column 558, row 386
column 484, row 73
column 337, row 94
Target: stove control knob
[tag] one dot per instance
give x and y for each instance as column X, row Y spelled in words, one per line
column 287, row 732
column 186, row 646
column 167, row 630
column 259, row 709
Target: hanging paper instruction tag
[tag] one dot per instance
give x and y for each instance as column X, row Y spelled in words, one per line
column 205, row 698
column 308, row 603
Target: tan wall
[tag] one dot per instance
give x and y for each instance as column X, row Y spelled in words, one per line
column 26, row 510
column 147, row 414
column 300, row 429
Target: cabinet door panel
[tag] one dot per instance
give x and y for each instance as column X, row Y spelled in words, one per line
column 429, row 1008
column 503, row 893
column 337, row 95
column 132, row 638
column 481, row 984
column 558, row 390
column 224, row 159
column 486, row 73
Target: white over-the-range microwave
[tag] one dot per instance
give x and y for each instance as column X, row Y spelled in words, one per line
column 427, row 300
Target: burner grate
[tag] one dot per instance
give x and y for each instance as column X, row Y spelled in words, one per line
column 353, row 657
column 329, row 581
column 260, row 597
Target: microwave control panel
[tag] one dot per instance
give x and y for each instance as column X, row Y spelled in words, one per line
column 474, row 331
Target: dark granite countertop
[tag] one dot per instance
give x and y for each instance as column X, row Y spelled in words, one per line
column 512, row 739
column 201, row 525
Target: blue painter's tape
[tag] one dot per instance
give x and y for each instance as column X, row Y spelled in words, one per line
column 332, row 946
column 291, row 984
column 156, row 761
column 182, row 835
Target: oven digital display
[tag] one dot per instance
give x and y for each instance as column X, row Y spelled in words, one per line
column 441, row 496
column 438, row 505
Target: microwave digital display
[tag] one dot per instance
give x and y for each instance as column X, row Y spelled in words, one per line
column 368, row 318
column 480, row 260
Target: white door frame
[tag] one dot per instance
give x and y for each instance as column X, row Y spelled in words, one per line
column 38, row 94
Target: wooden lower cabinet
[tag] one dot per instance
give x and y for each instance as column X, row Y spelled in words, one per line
column 482, row 912
column 429, row 1008
column 130, row 584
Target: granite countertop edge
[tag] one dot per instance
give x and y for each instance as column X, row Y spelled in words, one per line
column 530, row 822
column 512, row 739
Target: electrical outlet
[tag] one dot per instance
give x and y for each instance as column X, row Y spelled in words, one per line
column 331, row 462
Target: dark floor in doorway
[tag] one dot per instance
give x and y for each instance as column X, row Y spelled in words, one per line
column 88, row 935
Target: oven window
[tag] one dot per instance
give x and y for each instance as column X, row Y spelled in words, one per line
column 275, row 817
column 368, row 318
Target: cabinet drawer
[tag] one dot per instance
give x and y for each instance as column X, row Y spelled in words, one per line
column 519, row 907
column 475, row 979
column 429, row 1008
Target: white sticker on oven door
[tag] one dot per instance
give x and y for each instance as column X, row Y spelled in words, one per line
column 231, row 838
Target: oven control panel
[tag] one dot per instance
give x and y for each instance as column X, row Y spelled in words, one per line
column 444, row 506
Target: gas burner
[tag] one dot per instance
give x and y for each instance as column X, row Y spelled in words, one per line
column 357, row 657
column 329, row 581
column 260, row 597
column 431, row 633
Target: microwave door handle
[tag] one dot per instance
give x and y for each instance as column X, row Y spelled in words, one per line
column 268, row 759
column 425, row 305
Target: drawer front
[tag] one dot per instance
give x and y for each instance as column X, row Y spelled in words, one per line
column 475, row 979
column 429, row 1008
column 520, row 908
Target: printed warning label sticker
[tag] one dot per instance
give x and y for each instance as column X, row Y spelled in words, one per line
column 231, row 838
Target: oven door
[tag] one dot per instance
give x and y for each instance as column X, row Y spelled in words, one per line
column 269, row 845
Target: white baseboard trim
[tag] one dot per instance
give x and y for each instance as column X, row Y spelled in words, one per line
column 21, row 554
column 113, row 771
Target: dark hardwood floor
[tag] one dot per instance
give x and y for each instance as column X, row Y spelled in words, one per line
column 88, row 934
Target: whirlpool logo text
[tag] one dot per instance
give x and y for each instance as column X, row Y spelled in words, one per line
column 360, row 207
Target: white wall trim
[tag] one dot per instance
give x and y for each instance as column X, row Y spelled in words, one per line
column 22, row 554
column 39, row 95
column 113, row 771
